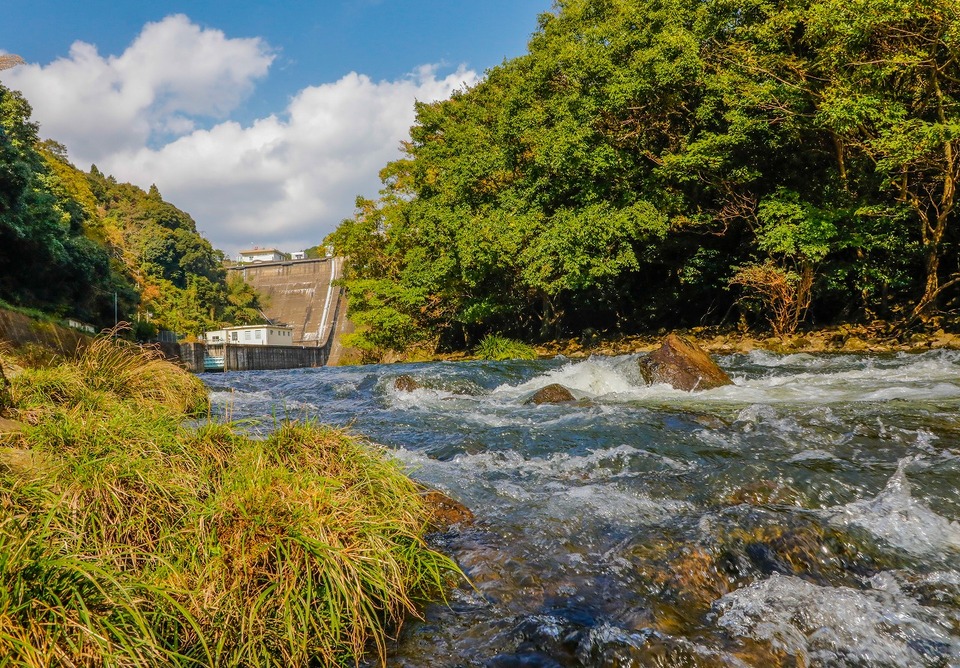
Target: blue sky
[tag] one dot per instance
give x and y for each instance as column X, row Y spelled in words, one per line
column 262, row 120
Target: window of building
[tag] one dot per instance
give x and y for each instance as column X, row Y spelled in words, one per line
column 258, row 335
column 246, row 335
column 233, row 336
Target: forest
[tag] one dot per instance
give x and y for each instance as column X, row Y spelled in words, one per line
column 78, row 244
column 772, row 164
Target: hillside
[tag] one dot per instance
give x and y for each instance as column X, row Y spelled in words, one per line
column 677, row 163
column 72, row 242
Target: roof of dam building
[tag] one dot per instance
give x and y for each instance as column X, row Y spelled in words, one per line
column 260, row 251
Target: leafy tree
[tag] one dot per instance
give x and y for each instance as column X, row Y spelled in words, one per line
column 244, row 304
column 48, row 260
column 641, row 158
column 892, row 94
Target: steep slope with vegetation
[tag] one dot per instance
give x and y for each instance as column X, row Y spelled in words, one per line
column 676, row 163
column 73, row 242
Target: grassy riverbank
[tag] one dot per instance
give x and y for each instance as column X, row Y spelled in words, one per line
column 130, row 536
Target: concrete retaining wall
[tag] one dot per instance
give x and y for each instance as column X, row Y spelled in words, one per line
column 249, row 358
column 20, row 330
column 190, row 355
column 252, row 358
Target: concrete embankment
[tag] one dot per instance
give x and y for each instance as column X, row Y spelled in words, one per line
column 197, row 357
column 300, row 293
column 22, row 330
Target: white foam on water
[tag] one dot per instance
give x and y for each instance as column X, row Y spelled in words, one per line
column 601, row 464
column 608, row 502
column 594, row 377
column 829, row 626
column 424, row 397
column 799, row 378
column 812, row 455
column 561, row 486
column 898, row 519
column 230, row 399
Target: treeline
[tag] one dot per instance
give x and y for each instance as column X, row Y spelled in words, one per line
column 676, row 163
column 74, row 243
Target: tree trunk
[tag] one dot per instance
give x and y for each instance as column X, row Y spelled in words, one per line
column 928, row 301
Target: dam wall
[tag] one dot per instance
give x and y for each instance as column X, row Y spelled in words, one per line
column 300, row 293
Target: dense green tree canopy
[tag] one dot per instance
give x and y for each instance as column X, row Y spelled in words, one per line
column 667, row 163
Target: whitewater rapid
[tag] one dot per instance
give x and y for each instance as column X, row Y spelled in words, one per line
column 806, row 515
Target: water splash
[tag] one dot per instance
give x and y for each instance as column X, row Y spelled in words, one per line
column 900, row 520
column 579, row 505
column 828, row 626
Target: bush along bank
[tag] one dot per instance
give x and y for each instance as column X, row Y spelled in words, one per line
column 130, row 538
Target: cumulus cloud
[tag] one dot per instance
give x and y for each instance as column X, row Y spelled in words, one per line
column 290, row 178
column 172, row 72
column 159, row 113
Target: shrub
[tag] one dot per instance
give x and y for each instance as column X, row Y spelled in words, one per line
column 498, row 348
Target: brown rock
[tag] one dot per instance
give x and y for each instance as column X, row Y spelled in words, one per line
column 551, row 394
column 444, row 511
column 406, row 383
column 10, row 426
column 683, row 365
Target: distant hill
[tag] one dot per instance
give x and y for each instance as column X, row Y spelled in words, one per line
column 73, row 242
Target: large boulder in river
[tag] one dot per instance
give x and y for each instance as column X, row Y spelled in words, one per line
column 684, row 365
column 551, row 394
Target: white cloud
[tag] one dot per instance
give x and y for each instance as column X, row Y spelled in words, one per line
column 286, row 179
column 100, row 105
column 290, row 179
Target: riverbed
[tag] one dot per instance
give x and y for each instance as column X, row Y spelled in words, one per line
column 806, row 515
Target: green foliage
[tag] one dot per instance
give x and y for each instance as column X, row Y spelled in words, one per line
column 47, row 260
column 642, row 156
column 72, row 243
column 245, row 304
column 499, row 348
column 127, row 538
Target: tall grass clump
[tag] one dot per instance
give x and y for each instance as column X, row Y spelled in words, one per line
column 499, row 348
column 130, row 371
column 318, row 551
column 129, row 538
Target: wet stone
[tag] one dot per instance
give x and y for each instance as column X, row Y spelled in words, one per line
column 683, row 365
column 405, row 383
column 765, row 492
column 444, row 511
column 551, row 394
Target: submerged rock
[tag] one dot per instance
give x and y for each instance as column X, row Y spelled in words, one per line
column 551, row 394
column 683, row 365
column 444, row 511
column 406, row 383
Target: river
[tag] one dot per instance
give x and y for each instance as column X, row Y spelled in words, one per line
column 805, row 516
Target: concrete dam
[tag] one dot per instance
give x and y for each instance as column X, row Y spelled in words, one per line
column 301, row 294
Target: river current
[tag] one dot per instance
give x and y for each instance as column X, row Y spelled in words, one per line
column 805, row 516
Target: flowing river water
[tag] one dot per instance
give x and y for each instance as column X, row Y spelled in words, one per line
column 805, row 516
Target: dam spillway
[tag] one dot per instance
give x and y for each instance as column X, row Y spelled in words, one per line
column 303, row 295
